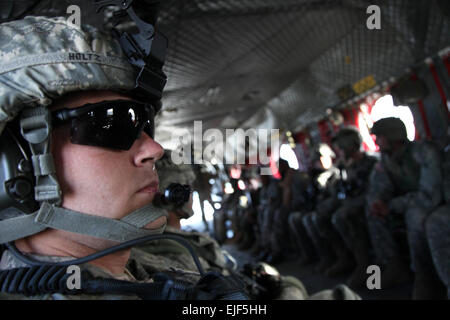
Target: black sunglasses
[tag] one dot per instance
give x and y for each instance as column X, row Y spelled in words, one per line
column 110, row 124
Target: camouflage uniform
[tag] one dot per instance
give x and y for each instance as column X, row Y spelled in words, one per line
column 261, row 205
column 349, row 220
column 212, row 258
column 340, row 220
column 326, row 203
column 437, row 229
column 268, row 213
column 409, row 181
column 304, row 193
column 207, row 249
column 140, row 268
column 91, row 64
column 321, row 247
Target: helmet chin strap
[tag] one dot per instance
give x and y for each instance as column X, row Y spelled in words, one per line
column 50, row 216
column 36, row 129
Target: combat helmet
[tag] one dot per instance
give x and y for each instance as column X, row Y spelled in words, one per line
column 43, row 59
column 393, row 129
column 348, row 139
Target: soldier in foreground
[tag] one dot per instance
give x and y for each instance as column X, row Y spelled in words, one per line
column 78, row 85
column 74, row 129
column 72, row 115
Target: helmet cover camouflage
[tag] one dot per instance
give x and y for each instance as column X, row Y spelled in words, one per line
column 44, row 58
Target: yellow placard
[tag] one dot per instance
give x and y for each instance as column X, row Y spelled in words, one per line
column 364, row 84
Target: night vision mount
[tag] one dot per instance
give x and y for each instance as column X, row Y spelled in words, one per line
column 146, row 50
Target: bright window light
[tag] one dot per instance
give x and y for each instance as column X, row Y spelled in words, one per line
column 235, row 172
column 196, row 221
column 327, row 156
column 209, row 210
column 384, row 108
column 243, row 201
column 217, row 205
column 197, row 216
column 363, row 126
column 228, row 188
column 326, row 161
column 288, row 154
column 241, row 185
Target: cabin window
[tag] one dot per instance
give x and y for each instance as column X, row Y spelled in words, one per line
column 384, row 108
column 196, row 221
column 288, row 154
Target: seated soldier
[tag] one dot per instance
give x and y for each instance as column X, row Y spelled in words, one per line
column 261, row 205
column 280, row 242
column 343, row 224
column 269, row 202
column 405, row 187
column 437, row 227
column 304, row 196
column 267, row 283
column 326, row 202
column 349, row 220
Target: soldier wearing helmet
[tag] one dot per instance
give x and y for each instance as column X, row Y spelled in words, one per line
column 405, row 187
column 325, row 203
column 68, row 102
column 78, row 170
column 349, row 219
column 344, row 227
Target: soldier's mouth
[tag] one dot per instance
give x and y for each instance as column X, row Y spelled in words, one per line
column 151, row 188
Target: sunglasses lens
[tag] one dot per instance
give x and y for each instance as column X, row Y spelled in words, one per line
column 112, row 126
